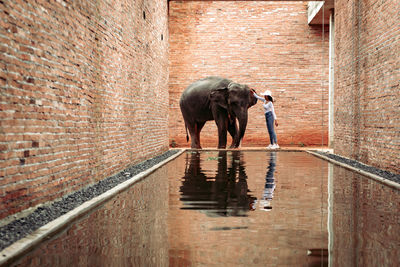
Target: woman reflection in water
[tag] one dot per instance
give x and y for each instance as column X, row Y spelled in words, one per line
column 268, row 194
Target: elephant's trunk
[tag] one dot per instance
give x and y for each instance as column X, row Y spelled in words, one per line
column 242, row 126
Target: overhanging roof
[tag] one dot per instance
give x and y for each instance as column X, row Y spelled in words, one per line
column 319, row 11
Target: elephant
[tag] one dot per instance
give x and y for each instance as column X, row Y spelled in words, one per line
column 218, row 99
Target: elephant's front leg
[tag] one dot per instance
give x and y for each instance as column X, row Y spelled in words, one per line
column 221, row 119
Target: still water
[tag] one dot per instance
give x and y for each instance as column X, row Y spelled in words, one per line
column 236, row 208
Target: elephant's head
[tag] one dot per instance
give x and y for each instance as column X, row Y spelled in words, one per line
column 236, row 99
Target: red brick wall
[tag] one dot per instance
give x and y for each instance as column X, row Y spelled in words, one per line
column 267, row 45
column 367, row 93
column 83, row 90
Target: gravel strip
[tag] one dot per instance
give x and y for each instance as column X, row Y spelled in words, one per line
column 20, row 228
column 356, row 164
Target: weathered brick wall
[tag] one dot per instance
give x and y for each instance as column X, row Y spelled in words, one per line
column 83, row 94
column 267, row 45
column 367, row 93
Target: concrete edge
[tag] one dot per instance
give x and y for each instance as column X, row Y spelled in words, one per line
column 368, row 174
column 16, row 249
column 258, row 149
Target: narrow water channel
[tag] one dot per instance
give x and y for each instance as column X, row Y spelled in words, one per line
column 236, row 208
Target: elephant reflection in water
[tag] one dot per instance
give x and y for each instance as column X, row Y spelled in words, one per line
column 268, row 194
column 225, row 194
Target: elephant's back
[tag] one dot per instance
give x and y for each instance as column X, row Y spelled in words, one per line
column 204, row 86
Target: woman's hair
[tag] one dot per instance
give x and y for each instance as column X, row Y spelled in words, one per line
column 270, row 98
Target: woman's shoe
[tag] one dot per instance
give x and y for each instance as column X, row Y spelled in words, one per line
column 270, row 146
column 275, row 146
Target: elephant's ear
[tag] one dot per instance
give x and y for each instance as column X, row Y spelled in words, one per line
column 220, row 97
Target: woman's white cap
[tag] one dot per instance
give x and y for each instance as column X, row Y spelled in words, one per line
column 266, row 92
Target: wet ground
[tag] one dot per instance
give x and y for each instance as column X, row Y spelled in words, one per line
column 236, row 208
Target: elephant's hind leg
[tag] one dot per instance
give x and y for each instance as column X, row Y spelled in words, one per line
column 194, row 131
column 198, row 127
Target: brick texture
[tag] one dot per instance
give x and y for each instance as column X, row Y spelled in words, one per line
column 367, row 95
column 83, row 90
column 266, row 45
column 84, row 84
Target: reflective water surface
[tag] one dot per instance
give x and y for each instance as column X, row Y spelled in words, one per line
column 236, row 208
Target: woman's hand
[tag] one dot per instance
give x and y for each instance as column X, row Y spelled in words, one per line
column 276, row 123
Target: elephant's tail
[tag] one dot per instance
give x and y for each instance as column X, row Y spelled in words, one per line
column 187, row 136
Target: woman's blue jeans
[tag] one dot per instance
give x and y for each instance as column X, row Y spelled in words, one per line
column 269, row 118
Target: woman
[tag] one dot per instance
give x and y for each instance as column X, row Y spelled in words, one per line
column 270, row 117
